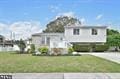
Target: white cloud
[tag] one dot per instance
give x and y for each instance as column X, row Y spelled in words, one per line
column 54, row 8
column 69, row 14
column 99, row 16
column 21, row 29
column 2, row 26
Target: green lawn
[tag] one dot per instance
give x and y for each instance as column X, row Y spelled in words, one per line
column 28, row 63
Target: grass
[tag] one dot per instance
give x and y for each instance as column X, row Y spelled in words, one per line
column 16, row 63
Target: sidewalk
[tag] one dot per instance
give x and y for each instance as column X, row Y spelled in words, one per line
column 63, row 75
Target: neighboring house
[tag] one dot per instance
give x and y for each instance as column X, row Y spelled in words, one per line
column 5, row 45
column 73, row 34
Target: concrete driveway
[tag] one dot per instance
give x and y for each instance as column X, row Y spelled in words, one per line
column 112, row 56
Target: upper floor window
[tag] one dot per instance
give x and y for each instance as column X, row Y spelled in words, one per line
column 76, row 31
column 94, row 32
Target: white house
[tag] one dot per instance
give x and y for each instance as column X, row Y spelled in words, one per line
column 52, row 40
column 73, row 34
column 85, row 34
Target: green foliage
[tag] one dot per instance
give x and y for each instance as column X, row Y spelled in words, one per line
column 32, row 48
column 58, row 24
column 22, row 46
column 81, row 48
column 101, row 48
column 43, row 50
column 28, row 51
column 70, row 50
column 112, row 32
column 114, row 40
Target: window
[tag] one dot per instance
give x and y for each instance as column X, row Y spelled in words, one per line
column 75, row 31
column 94, row 31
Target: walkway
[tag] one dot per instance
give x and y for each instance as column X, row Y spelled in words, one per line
column 112, row 56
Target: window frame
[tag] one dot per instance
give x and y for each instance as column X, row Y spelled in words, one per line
column 76, row 31
column 94, row 31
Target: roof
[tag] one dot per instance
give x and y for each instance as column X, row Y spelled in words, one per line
column 85, row 26
column 50, row 34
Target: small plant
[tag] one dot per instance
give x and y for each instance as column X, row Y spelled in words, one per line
column 43, row 50
column 32, row 48
column 70, row 50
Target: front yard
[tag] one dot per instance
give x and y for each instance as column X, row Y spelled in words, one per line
column 10, row 62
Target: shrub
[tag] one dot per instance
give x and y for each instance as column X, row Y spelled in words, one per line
column 28, row 51
column 81, row 48
column 43, row 50
column 70, row 50
column 101, row 48
column 32, row 48
column 57, row 51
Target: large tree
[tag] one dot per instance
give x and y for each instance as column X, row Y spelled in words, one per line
column 112, row 32
column 114, row 40
column 58, row 24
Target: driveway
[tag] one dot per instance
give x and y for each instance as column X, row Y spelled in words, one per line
column 112, row 56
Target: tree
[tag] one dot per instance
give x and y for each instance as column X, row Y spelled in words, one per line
column 22, row 46
column 58, row 24
column 112, row 32
column 32, row 50
column 114, row 40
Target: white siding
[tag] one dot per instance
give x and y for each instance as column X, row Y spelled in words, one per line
column 36, row 40
column 86, row 35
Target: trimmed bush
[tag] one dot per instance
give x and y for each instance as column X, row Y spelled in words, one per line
column 101, row 48
column 70, row 50
column 43, row 50
column 81, row 48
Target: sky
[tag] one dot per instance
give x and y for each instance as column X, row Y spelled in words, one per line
column 25, row 17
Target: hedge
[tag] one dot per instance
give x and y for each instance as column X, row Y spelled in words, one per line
column 81, row 48
column 101, row 48
column 88, row 48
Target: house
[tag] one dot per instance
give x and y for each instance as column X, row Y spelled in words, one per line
column 85, row 34
column 5, row 45
column 51, row 40
column 47, row 39
column 73, row 34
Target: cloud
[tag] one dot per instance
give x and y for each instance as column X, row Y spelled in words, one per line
column 2, row 26
column 54, row 8
column 21, row 29
column 69, row 14
column 98, row 17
